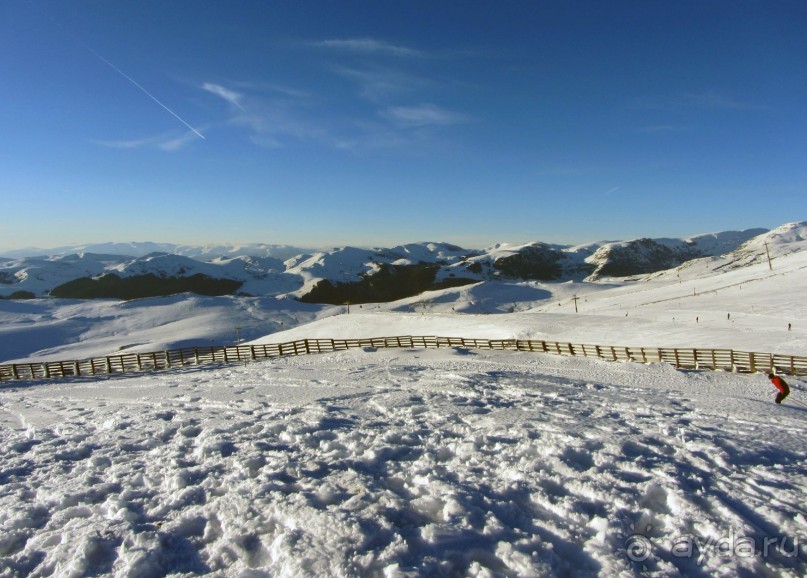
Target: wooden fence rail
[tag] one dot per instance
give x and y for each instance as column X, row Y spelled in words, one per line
column 687, row 358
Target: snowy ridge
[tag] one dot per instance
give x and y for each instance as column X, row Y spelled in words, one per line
column 643, row 256
column 785, row 238
column 347, row 264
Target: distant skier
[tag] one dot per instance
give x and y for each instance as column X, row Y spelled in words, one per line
column 780, row 384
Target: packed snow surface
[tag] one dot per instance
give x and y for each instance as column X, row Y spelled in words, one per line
column 404, row 463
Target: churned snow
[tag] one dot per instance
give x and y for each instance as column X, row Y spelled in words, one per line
column 403, row 463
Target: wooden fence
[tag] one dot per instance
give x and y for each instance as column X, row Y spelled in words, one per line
column 721, row 359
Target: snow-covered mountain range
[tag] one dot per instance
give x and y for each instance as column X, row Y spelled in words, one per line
column 357, row 275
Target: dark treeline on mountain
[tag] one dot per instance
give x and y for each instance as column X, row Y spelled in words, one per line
column 111, row 286
column 20, row 295
column 389, row 283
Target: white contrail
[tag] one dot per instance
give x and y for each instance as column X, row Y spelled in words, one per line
column 608, row 192
column 146, row 92
column 115, row 68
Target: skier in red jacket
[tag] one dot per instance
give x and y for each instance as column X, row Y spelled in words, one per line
column 780, row 384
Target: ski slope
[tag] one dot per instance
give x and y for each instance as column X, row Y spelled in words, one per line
column 399, row 463
column 734, row 302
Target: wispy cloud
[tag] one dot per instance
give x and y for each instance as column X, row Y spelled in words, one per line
column 663, row 129
column 423, row 115
column 230, row 96
column 273, row 125
column 363, row 136
column 272, row 88
column 708, row 100
column 396, row 112
column 273, row 115
column 369, row 46
column 378, row 84
column 166, row 142
column 715, row 100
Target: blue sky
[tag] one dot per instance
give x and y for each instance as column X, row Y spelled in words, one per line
column 378, row 122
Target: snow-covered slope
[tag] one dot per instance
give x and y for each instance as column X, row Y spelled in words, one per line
column 733, row 301
column 258, row 275
column 71, row 329
column 396, row 463
column 643, row 256
column 38, row 275
column 348, row 264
